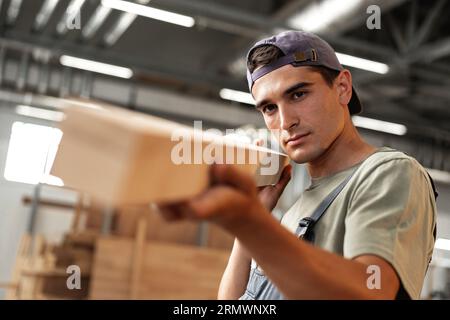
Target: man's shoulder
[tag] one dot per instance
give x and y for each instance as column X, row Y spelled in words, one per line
column 391, row 159
column 386, row 154
column 392, row 166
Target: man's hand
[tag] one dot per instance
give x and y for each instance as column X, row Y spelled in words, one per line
column 269, row 195
column 231, row 199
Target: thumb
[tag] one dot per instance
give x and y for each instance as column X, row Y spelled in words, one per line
column 234, row 177
column 285, row 178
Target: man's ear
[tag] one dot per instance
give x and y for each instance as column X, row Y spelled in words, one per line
column 344, row 86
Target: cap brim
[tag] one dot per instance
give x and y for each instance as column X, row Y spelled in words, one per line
column 354, row 105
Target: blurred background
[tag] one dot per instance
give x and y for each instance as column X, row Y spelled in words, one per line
column 185, row 61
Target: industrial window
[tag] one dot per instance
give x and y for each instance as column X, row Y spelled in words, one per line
column 31, row 152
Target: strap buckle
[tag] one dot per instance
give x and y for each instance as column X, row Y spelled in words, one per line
column 302, row 56
column 303, row 226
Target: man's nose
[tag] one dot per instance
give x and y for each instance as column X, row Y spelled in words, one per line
column 288, row 118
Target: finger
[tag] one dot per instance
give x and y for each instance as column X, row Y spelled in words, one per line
column 169, row 215
column 285, row 177
column 218, row 200
column 261, row 188
column 229, row 175
column 171, row 211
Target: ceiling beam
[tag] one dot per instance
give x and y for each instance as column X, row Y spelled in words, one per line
column 262, row 23
column 412, row 22
column 95, row 21
column 122, row 24
column 358, row 16
column 47, row 9
column 118, row 29
column 431, row 52
column 29, row 43
column 399, row 39
column 211, row 9
column 256, row 26
column 2, row 62
column 13, row 12
column 427, row 26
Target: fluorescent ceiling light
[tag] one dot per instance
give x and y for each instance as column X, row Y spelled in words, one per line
column 361, row 63
column 379, row 125
column 31, row 152
column 239, row 96
column 320, row 15
column 239, row 66
column 150, row 12
column 39, row 113
column 95, row 66
column 442, row 244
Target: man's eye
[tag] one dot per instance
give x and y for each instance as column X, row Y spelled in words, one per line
column 269, row 108
column 297, row 95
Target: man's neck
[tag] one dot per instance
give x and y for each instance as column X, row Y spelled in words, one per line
column 346, row 150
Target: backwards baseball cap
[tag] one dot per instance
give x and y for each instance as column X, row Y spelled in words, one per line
column 300, row 49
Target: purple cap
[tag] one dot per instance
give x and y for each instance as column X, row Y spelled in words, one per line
column 300, row 49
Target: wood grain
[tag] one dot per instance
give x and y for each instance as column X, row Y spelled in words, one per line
column 124, row 157
column 169, row 271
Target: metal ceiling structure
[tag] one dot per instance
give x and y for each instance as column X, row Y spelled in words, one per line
column 414, row 40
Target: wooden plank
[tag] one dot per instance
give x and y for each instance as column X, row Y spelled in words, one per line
column 158, row 229
column 53, row 273
column 123, row 157
column 94, row 215
column 138, row 252
column 27, row 200
column 78, row 211
column 30, row 285
column 169, row 271
column 83, row 239
column 66, row 256
column 21, row 260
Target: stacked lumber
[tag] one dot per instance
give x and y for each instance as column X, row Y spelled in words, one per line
column 155, row 270
column 40, row 271
column 140, row 256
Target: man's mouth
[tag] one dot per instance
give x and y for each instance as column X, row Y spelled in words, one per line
column 296, row 139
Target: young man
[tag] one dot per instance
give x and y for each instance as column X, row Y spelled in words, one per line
column 366, row 224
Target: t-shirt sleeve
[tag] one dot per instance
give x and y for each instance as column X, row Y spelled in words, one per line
column 392, row 215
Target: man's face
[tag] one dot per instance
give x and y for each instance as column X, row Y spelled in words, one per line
column 301, row 110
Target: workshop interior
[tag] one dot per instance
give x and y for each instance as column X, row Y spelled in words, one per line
column 90, row 89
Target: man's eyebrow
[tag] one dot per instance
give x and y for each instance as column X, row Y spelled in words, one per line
column 296, row 87
column 259, row 105
column 289, row 90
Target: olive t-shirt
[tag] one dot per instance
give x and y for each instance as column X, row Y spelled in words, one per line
column 386, row 209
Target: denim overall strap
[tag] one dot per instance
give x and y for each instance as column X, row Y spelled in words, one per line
column 305, row 226
column 259, row 286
